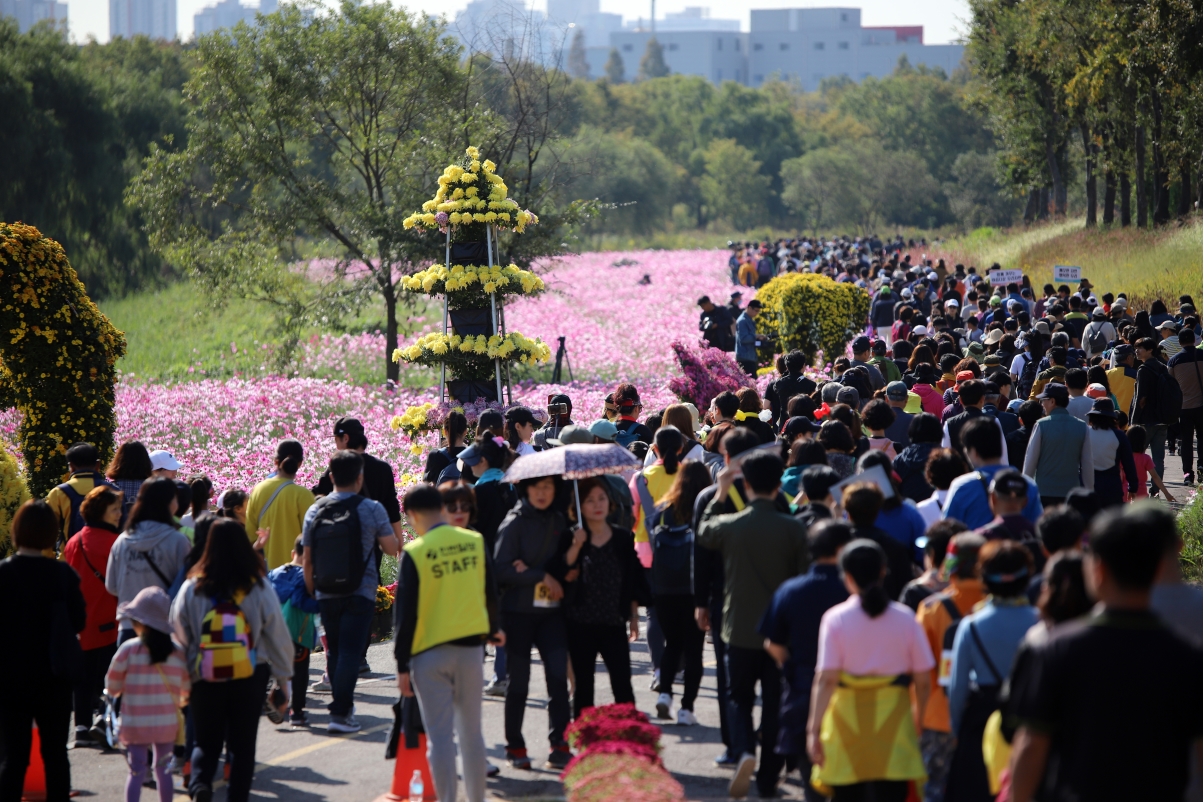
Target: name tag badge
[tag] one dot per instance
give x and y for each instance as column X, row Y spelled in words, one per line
column 944, row 674
column 543, row 597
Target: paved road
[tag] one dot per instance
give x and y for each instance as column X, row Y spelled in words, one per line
column 308, row 765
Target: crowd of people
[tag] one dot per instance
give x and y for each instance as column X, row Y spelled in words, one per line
column 927, row 564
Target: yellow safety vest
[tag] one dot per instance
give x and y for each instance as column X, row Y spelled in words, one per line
column 451, row 586
column 868, row 733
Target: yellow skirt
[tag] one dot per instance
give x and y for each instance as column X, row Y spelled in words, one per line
column 868, row 733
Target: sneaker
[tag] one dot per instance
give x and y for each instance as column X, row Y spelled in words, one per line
column 685, row 718
column 518, row 758
column 1189, row 479
column 177, row 765
column 202, row 794
column 98, row 734
column 347, row 723
column 321, row 686
column 365, row 668
column 663, row 703
column 559, row 758
column 299, row 720
column 655, row 685
column 725, row 759
column 497, row 687
column 492, row 770
column 738, row 789
column 83, row 735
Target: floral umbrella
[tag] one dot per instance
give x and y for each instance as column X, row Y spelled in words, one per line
column 578, row 461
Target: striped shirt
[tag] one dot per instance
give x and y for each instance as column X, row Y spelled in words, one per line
column 149, row 698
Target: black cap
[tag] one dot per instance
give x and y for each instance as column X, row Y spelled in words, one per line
column 521, row 415
column 1009, row 482
column 348, row 426
column 1056, row 392
column 1104, row 408
column 880, row 347
column 754, row 303
column 1123, row 350
column 799, row 425
column 83, row 455
column 860, row 344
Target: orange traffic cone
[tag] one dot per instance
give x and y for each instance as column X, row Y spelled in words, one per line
column 409, row 760
column 35, row 774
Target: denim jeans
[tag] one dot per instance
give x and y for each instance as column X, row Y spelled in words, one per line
column 1157, row 433
column 1191, row 438
column 347, row 620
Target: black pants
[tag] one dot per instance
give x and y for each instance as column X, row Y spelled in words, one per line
column 874, row 791
column 749, row 366
column 48, row 703
column 1191, row 429
column 88, row 689
column 586, row 642
column 300, row 684
column 745, row 668
column 227, row 713
column 544, row 631
column 683, row 641
column 725, row 732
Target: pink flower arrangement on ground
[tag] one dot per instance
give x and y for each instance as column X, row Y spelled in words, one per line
column 706, row 372
column 618, row 758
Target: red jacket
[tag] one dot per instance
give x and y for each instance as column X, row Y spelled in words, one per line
column 930, row 399
column 88, row 553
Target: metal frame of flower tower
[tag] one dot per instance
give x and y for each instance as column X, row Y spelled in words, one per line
column 497, row 318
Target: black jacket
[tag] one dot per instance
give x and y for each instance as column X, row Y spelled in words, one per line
column 532, row 536
column 898, row 558
column 635, row 585
column 494, row 500
column 379, row 485
column 910, row 466
column 436, row 461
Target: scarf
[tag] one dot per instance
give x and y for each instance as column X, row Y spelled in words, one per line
column 742, row 415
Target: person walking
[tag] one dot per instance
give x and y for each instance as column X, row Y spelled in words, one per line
column 151, row 550
column 300, row 611
column 148, row 674
column 969, row 499
column 278, row 505
column 871, row 650
column 761, row 549
column 43, row 663
column 455, row 427
column 379, row 483
column 1059, row 455
column 344, row 587
column 444, row 612
column 83, row 463
column 987, row 640
column 1148, row 402
column 746, row 337
column 604, row 587
column 791, row 630
column 672, row 579
column 229, row 622
column 130, row 467
column 88, row 553
column 1187, row 368
column 532, row 616
column 1111, row 452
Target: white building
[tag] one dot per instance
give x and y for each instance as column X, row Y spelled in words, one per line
column 509, row 29
column 691, row 18
column 717, row 56
column 30, row 12
column 809, row 44
column 153, row 18
column 226, row 14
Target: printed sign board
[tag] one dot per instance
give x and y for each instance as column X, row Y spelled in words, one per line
column 1067, row 273
column 1001, row 277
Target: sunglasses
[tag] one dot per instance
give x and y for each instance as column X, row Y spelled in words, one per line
column 459, row 506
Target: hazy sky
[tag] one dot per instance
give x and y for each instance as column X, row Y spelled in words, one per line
column 943, row 20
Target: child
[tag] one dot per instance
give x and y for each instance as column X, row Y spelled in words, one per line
column 1139, row 440
column 150, row 676
column 299, row 608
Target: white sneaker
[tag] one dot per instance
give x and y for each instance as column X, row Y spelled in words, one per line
column 663, row 703
column 497, row 687
column 685, row 718
column 348, row 723
column 321, row 686
column 743, row 776
column 655, row 685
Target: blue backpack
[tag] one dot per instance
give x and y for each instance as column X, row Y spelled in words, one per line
column 672, row 572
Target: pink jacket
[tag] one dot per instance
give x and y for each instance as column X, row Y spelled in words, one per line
column 930, row 399
column 150, row 699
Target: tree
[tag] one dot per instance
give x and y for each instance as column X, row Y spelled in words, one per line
column 652, row 65
column 975, row 197
column 628, row 173
column 818, row 187
column 578, row 66
column 733, row 187
column 615, row 71
column 314, row 129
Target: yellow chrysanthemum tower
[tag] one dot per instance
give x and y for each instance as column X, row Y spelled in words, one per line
column 470, row 208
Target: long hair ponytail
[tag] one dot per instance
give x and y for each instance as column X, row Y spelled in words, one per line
column 863, row 561
column 669, row 441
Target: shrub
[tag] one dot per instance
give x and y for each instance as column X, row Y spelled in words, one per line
column 706, row 372
column 57, row 356
column 13, row 493
column 1190, row 526
column 812, row 313
column 620, row 758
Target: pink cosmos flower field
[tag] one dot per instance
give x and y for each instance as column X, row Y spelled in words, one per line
column 616, row 329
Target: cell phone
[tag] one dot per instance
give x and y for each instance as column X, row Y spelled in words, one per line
column 558, row 409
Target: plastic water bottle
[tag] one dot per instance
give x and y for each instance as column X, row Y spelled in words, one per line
column 416, row 787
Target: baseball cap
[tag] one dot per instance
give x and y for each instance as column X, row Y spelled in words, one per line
column 1055, row 392
column 604, row 430
column 965, row 376
column 919, row 330
column 754, row 303
column 933, row 276
column 1123, row 350
column 1095, row 390
column 1167, row 324
column 572, row 435
column 164, row 461
column 880, row 347
column 1120, row 303
column 1099, row 314
column 952, row 302
column 1009, row 482
column 896, row 391
column 799, row 425
column 860, row 344
column 993, row 336
column 995, row 301
column 735, row 295
column 471, row 455
column 906, row 292
column 347, row 426
column 522, row 415
column 848, row 395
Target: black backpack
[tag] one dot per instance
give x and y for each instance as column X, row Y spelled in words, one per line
column 337, row 546
column 1169, row 399
column 1095, row 338
column 788, row 387
column 76, row 522
column 672, row 555
column 1028, row 377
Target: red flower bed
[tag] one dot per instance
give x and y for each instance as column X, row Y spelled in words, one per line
column 618, row 758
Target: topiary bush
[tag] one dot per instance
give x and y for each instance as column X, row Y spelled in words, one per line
column 57, row 355
column 706, row 372
column 812, row 313
column 13, row 493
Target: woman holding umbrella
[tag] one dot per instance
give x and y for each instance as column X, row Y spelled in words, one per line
column 604, row 589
